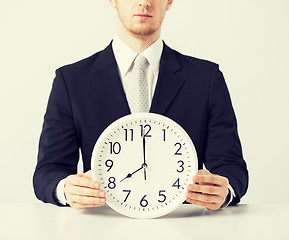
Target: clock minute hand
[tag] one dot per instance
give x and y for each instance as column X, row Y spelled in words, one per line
column 130, row 174
column 144, row 158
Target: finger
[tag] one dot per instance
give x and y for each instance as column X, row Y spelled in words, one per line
column 76, row 206
column 84, row 200
column 79, row 180
column 207, row 189
column 211, row 179
column 203, row 197
column 80, row 206
column 83, row 191
column 209, row 206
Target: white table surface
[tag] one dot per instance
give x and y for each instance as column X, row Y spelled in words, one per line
column 45, row 221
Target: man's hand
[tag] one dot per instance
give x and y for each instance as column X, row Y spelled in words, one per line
column 208, row 190
column 82, row 192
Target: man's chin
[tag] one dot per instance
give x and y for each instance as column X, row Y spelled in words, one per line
column 143, row 31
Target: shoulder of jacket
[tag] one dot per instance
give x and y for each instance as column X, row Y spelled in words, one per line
column 196, row 62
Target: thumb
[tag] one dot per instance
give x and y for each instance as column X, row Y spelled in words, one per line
column 203, row 172
column 87, row 174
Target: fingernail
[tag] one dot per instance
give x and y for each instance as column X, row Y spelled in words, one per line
column 101, row 194
column 97, row 185
column 102, row 200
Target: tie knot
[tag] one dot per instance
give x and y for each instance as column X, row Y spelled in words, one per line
column 140, row 62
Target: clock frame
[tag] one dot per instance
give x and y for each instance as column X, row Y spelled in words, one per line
column 143, row 162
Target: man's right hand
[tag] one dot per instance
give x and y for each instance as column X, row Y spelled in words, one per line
column 82, row 192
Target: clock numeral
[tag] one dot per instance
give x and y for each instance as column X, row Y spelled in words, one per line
column 179, row 148
column 115, row 147
column 177, row 183
column 144, row 202
column 128, row 193
column 164, row 131
column 145, row 129
column 111, row 183
column 161, row 194
column 181, row 166
column 126, row 134
column 109, row 164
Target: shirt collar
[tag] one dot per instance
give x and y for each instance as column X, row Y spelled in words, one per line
column 124, row 55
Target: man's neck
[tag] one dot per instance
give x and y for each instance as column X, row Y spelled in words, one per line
column 136, row 42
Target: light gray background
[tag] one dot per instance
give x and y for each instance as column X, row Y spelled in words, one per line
column 249, row 39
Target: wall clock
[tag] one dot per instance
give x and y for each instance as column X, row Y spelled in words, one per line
column 144, row 162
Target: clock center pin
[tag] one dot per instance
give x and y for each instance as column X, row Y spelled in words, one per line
column 144, row 165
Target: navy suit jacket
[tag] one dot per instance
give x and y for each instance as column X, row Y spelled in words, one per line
column 88, row 95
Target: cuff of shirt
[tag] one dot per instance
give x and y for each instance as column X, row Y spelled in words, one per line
column 60, row 192
column 229, row 197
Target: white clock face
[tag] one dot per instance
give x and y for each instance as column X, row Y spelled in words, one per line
column 144, row 162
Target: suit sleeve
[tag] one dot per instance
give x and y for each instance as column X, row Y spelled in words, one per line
column 58, row 152
column 223, row 148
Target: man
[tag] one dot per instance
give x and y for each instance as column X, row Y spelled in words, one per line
column 89, row 95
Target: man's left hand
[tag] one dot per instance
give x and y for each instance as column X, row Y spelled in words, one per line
column 208, row 190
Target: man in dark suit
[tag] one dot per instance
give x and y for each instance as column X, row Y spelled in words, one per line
column 89, row 95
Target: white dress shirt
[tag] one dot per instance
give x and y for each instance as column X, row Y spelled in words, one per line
column 125, row 56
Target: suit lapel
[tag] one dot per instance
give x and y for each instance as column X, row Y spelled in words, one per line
column 168, row 84
column 108, row 83
column 109, row 86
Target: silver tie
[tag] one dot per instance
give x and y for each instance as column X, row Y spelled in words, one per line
column 137, row 86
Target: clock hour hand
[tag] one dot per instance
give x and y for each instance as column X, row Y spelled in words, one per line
column 130, row 174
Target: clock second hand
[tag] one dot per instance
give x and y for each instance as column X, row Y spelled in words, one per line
column 130, row 174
